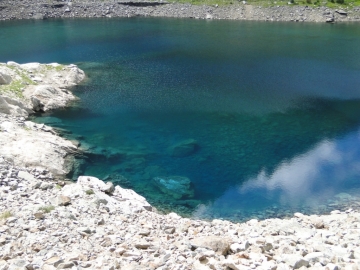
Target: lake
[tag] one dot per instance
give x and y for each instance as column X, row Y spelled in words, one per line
column 211, row 119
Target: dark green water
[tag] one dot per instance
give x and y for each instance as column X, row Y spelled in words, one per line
column 274, row 108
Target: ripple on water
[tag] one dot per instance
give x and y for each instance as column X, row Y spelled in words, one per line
column 275, row 115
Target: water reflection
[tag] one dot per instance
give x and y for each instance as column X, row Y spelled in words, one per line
column 329, row 172
column 267, row 104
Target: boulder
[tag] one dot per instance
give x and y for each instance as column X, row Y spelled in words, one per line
column 93, row 183
column 183, row 148
column 26, row 176
column 341, row 12
column 30, row 149
column 61, row 200
column 295, row 261
column 74, row 75
column 177, row 187
column 219, row 244
column 31, row 67
column 14, row 107
column 47, row 97
column 5, row 78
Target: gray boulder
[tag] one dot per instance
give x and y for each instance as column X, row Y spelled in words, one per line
column 219, row 244
column 5, row 78
column 177, row 187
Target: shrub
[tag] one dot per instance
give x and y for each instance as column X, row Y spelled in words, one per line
column 89, row 192
column 5, row 215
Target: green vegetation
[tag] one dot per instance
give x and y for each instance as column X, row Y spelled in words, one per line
column 51, row 67
column 27, row 128
column 16, row 87
column 58, row 187
column 47, row 209
column 89, row 192
column 5, row 215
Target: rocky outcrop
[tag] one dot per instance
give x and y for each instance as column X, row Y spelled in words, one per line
column 239, row 10
column 35, row 87
column 35, row 145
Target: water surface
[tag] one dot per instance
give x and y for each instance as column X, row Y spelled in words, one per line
column 274, row 108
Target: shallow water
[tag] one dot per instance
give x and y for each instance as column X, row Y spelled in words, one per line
column 274, row 108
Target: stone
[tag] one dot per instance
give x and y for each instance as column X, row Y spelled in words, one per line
column 295, row 261
column 4, row 265
column 332, row 266
column 39, row 215
column 238, row 247
column 17, row 264
column 341, row 12
column 184, row 148
column 177, row 187
column 26, row 176
column 313, row 257
column 5, row 78
column 142, row 244
column 55, row 261
column 84, row 230
column 108, row 188
column 65, row 265
column 62, row 200
column 218, row 244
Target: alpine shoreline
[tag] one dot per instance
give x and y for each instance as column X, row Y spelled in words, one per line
column 26, row 9
column 49, row 223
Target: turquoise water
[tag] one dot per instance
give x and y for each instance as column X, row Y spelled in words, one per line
column 271, row 110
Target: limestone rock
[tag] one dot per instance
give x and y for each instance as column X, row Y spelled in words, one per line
column 62, row 200
column 27, row 176
column 238, row 247
column 295, row 261
column 218, row 244
column 47, row 97
column 142, row 245
column 12, row 106
column 5, row 78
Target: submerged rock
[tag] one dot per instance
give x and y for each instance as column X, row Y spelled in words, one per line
column 176, row 186
column 184, row 148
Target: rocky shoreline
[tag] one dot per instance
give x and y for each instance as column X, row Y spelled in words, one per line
column 49, row 223
column 25, row 9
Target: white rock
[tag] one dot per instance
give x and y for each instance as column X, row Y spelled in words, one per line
column 295, row 261
column 238, row 247
column 27, row 176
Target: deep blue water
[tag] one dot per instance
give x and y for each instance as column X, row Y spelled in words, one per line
column 274, row 108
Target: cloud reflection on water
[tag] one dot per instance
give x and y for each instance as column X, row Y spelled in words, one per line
column 310, row 179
